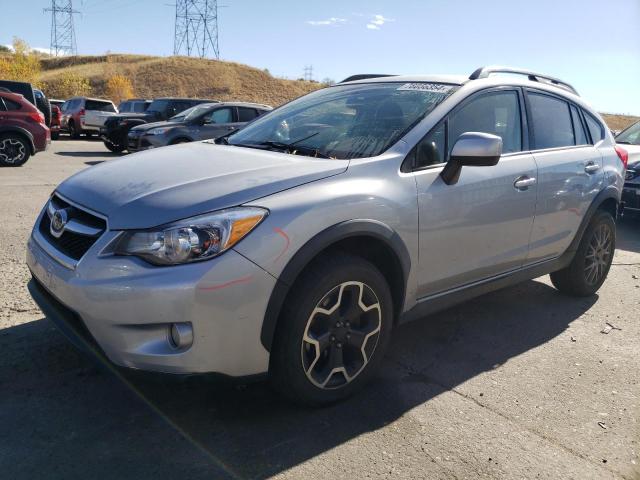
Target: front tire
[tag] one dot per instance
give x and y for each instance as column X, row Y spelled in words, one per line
column 589, row 268
column 14, row 150
column 73, row 131
column 333, row 332
column 113, row 147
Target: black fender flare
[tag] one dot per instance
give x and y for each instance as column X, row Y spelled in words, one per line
column 324, row 239
column 22, row 131
column 609, row 192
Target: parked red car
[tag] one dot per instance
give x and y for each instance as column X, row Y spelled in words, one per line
column 22, row 130
column 56, row 116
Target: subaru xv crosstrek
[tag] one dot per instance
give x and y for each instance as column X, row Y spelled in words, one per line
column 295, row 246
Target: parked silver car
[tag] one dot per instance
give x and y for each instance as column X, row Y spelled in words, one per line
column 294, row 246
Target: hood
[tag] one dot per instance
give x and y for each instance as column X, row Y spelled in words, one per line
column 148, row 126
column 162, row 185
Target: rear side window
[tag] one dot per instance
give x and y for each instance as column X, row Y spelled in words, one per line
column 578, row 127
column 11, row 105
column 139, row 107
column 497, row 113
column 595, row 128
column 246, row 114
column 551, row 118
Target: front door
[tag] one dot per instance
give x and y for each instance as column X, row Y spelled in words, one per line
column 219, row 121
column 478, row 227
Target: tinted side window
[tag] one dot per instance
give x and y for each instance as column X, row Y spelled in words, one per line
column 139, row 107
column 220, row 115
column 181, row 106
column 595, row 128
column 578, row 127
column 11, row 105
column 551, row 118
column 432, row 148
column 2, row 107
column 496, row 113
column 246, row 114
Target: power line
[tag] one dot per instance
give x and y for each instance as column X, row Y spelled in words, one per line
column 308, row 72
column 63, row 36
column 196, row 28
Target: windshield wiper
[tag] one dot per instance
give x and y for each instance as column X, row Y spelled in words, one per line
column 289, row 147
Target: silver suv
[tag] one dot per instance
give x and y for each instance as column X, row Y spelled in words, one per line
column 295, row 246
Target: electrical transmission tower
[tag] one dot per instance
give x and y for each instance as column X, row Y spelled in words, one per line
column 308, row 73
column 63, row 36
column 196, row 30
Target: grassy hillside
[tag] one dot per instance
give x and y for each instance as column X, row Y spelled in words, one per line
column 176, row 76
column 193, row 77
column 619, row 122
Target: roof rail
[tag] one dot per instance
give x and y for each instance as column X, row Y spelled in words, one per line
column 364, row 76
column 484, row 72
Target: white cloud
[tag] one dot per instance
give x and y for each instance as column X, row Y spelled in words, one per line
column 333, row 21
column 378, row 21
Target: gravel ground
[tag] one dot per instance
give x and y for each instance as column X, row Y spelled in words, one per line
column 520, row 383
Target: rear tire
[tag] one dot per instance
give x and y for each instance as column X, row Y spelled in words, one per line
column 333, row 331
column 113, row 147
column 14, row 150
column 55, row 136
column 589, row 268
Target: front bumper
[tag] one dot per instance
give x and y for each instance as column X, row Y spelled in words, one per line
column 124, row 307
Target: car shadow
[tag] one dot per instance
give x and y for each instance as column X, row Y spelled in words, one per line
column 58, row 410
column 89, row 154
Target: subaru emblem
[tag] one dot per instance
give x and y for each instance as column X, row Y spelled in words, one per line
column 58, row 222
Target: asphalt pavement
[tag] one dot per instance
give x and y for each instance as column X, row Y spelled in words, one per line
column 519, row 383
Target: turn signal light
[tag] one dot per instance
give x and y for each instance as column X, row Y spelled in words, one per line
column 623, row 155
column 37, row 117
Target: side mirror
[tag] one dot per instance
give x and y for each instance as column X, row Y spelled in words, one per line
column 473, row 149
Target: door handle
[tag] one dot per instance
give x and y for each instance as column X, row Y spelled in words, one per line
column 591, row 167
column 524, row 182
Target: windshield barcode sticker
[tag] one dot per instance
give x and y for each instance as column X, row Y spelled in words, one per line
column 426, row 87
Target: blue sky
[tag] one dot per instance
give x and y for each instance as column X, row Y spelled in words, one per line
column 593, row 44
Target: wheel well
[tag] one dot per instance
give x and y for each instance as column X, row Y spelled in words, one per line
column 378, row 253
column 609, row 205
column 22, row 136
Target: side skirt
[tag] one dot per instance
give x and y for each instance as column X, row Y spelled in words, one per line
column 441, row 301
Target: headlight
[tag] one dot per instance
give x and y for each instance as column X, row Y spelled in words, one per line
column 158, row 131
column 192, row 239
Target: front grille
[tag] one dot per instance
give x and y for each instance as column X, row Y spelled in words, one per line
column 74, row 241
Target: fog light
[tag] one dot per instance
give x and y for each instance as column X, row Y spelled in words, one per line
column 181, row 335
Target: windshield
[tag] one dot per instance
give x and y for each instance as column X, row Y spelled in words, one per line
column 347, row 121
column 158, row 106
column 630, row 136
column 191, row 113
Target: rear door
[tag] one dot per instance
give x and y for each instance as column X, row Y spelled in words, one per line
column 570, row 172
column 480, row 226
